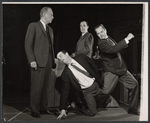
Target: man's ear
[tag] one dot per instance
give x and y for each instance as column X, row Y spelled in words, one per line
column 67, row 54
column 105, row 31
column 44, row 14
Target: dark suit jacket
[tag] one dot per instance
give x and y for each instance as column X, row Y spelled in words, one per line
column 70, row 80
column 85, row 45
column 110, row 59
column 37, row 44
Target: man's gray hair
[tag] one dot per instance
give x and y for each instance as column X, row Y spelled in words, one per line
column 43, row 10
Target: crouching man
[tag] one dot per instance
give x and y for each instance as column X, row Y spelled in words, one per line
column 81, row 73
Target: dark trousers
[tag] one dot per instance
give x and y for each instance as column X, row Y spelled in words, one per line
column 40, row 80
column 110, row 81
column 90, row 95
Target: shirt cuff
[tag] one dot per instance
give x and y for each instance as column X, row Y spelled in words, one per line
column 127, row 41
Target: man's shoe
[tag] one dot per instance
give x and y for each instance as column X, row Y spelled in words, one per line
column 35, row 114
column 56, row 113
column 77, row 111
column 46, row 112
column 69, row 109
column 133, row 112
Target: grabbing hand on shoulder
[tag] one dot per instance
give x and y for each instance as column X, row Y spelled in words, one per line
column 73, row 55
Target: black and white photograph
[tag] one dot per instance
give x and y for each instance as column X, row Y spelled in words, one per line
column 74, row 61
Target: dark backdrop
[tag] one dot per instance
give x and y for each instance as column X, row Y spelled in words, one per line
column 119, row 20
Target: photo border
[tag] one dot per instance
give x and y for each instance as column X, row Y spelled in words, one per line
column 145, row 50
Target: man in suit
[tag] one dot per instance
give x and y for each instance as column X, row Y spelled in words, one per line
column 83, row 46
column 40, row 55
column 114, row 67
column 86, row 41
column 81, row 73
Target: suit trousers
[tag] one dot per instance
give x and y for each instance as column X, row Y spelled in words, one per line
column 40, row 80
column 90, row 95
column 110, row 81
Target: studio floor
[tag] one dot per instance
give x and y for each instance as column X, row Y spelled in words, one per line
column 16, row 107
column 21, row 112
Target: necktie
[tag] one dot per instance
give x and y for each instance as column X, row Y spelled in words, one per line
column 47, row 32
column 50, row 42
column 81, row 71
column 118, row 54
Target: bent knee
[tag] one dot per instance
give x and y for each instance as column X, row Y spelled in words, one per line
column 106, row 91
column 92, row 114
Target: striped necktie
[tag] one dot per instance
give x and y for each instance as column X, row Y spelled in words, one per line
column 114, row 43
column 81, row 71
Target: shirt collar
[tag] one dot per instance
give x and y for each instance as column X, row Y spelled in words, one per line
column 72, row 61
column 44, row 25
column 84, row 33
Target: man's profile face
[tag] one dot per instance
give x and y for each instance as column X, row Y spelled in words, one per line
column 101, row 32
column 63, row 57
column 49, row 16
column 83, row 27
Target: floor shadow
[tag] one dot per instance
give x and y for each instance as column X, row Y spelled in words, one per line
column 16, row 98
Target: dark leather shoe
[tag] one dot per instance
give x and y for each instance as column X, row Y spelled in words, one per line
column 46, row 112
column 133, row 112
column 77, row 111
column 35, row 114
column 69, row 109
column 56, row 113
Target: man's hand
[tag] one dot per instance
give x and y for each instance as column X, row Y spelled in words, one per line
column 73, row 55
column 33, row 65
column 73, row 105
column 130, row 36
column 62, row 115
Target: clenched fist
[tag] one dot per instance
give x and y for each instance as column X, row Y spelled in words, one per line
column 130, row 36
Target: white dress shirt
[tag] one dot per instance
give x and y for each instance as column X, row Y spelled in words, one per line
column 83, row 80
column 83, row 33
